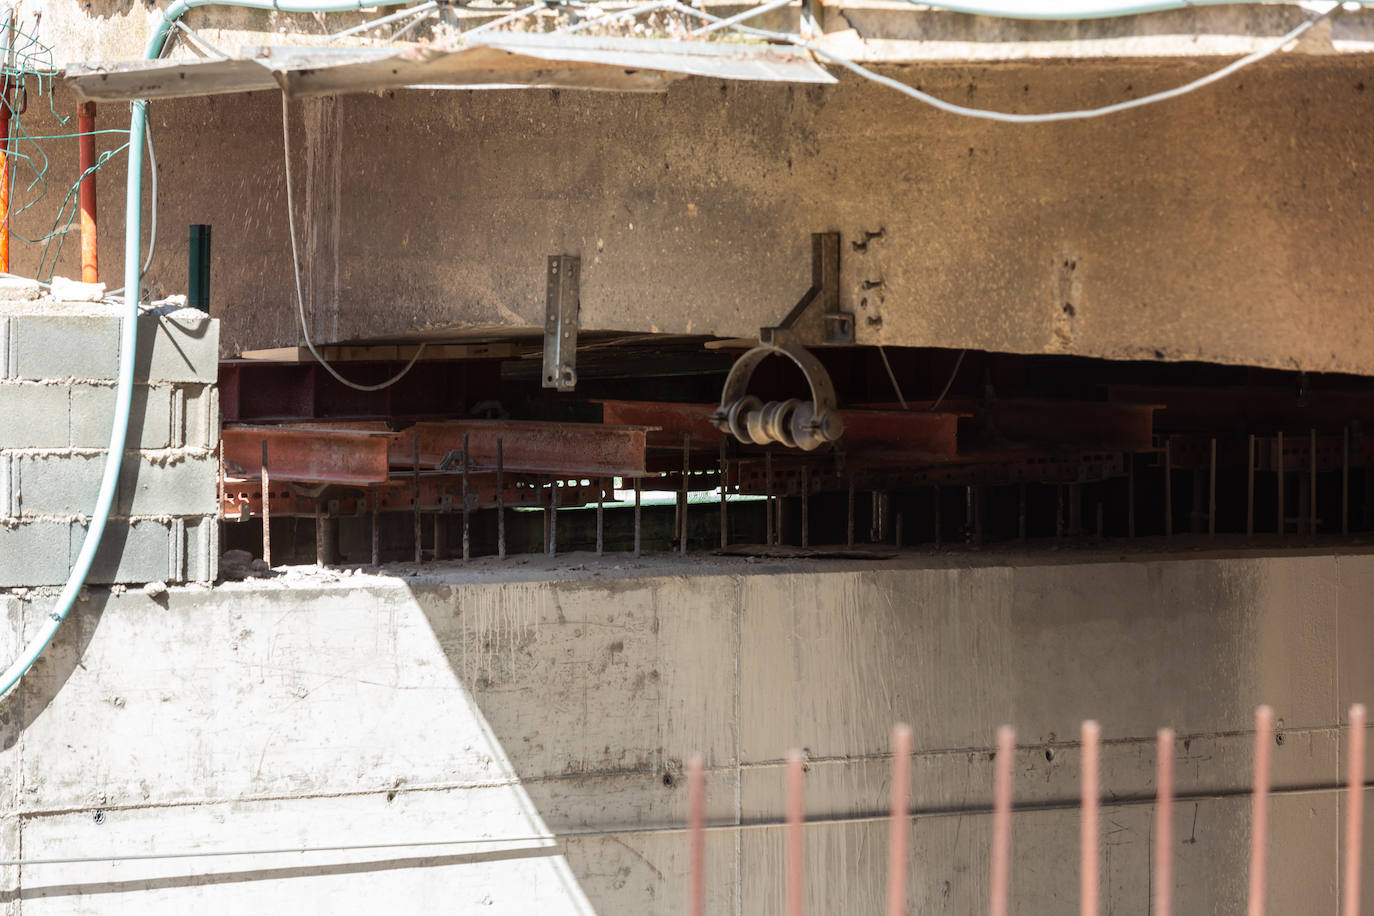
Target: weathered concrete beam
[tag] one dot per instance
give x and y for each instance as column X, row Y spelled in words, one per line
column 1229, row 225
column 888, row 31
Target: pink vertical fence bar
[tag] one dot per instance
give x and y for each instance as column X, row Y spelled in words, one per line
column 899, row 822
column 1354, row 810
column 1088, row 836
column 796, row 813
column 696, row 805
column 1001, row 821
column 1259, row 810
column 1164, row 824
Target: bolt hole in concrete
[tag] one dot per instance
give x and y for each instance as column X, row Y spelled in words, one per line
column 668, row 780
column 99, row 817
column 1049, row 754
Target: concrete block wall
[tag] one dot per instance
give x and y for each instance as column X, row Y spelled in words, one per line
column 58, row 368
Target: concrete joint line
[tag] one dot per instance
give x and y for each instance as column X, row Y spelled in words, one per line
column 176, row 550
column 9, row 487
column 177, row 435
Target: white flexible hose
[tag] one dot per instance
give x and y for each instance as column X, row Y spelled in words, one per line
column 296, row 272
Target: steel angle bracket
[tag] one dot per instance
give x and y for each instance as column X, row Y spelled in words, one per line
column 561, row 307
column 817, row 318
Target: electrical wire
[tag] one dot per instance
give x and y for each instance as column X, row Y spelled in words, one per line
column 616, row 17
column 949, row 384
column 152, row 211
column 1076, row 10
column 740, row 17
column 396, row 35
column 1046, row 117
column 892, row 376
column 385, row 20
column 509, row 17
column 296, row 272
column 61, row 234
column 196, row 39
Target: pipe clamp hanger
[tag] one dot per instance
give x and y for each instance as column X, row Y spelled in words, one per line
column 816, row 317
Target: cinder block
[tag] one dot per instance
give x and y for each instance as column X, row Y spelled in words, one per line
column 200, row 413
column 202, row 549
column 33, row 416
column 131, row 552
column 57, row 484
column 92, row 412
column 6, row 348
column 177, row 345
column 180, row 486
column 33, row 553
column 59, row 346
column 9, row 487
column 12, row 613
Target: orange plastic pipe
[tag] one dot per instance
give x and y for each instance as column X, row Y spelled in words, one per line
column 85, row 120
column 4, row 178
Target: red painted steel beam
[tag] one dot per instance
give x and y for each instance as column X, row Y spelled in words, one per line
column 6, row 110
column 672, row 420
column 568, row 449
column 921, row 432
column 1054, row 423
column 549, row 448
column 308, row 455
column 1249, row 409
column 242, row 498
column 931, row 434
column 1084, row 423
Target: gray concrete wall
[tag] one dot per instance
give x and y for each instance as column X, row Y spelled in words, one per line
column 1225, row 226
column 58, row 367
column 504, row 702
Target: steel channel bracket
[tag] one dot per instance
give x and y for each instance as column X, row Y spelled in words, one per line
column 561, row 308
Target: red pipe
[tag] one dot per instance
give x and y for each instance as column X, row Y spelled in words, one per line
column 899, row 821
column 1164, row 824
column 5, row 112
column 1259, row 808
column 1354, row 811
column 85, row 120
column 1001, row 821
column 1088, row 853
column 696, row 810
column 796, row 818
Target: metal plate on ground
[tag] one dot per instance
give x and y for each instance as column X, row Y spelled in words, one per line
column 784, row 552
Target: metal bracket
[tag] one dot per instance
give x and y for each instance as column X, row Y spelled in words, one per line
column 816, row 318
column 447, row 15
column 561, row 308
